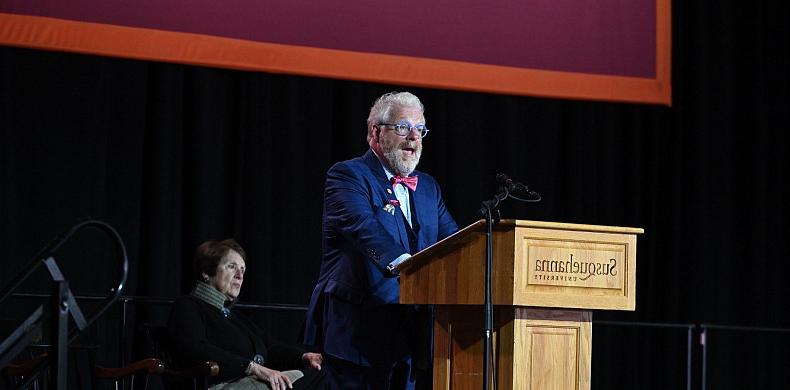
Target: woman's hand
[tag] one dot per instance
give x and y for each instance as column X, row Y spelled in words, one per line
column 313, row 359
column 274, row 378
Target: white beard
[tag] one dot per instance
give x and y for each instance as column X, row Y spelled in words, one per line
column 403, row 165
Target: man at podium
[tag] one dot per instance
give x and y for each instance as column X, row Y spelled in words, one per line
column 377, row 211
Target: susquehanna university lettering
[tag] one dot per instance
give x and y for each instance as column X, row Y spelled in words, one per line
column 586, row 268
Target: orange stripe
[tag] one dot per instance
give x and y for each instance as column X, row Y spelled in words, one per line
column 204, row 50
column 664, row 50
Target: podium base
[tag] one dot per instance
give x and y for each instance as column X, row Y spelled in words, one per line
column 534, row 348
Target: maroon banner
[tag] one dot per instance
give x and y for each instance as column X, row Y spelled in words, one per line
column 529, row 45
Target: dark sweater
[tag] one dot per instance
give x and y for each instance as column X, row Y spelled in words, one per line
column 198, row 331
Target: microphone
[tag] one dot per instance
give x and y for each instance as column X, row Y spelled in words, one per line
column 507, row 182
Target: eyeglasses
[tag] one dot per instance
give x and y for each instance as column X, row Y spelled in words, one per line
column 404, row 130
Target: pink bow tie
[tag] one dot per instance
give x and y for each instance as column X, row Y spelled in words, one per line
column 410, row 182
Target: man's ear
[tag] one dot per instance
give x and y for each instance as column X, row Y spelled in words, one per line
column 376, row 133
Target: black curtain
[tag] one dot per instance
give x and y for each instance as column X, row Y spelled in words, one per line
column 172, row 155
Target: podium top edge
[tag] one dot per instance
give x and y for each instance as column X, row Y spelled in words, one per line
column 479, row 225
column 572, row 226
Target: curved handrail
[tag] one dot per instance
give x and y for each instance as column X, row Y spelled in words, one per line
column 56, row 243
column 115, row 292
column 45, row 256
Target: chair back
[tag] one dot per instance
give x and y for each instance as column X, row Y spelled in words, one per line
column 175, row 377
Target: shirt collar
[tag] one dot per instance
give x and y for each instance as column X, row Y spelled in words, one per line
column 383, row 166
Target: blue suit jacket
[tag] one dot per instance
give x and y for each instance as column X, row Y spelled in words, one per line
column 353, row 313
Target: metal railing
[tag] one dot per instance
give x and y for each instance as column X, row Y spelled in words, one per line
column 689, row 337
column 705, row 341
column 703, row 330
column 62, row 304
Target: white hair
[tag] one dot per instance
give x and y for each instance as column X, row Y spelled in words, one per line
column 382, row 108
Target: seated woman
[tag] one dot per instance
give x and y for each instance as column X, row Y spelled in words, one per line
column 202, row 328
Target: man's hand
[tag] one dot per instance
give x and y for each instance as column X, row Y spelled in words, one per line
column 313, row 359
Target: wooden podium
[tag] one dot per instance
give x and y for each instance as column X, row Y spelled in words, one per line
column 547, row 277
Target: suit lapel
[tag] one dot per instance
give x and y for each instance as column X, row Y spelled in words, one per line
column 418, row 198
column 384, row 191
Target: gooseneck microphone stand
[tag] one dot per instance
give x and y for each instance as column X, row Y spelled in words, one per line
column 490, row 210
